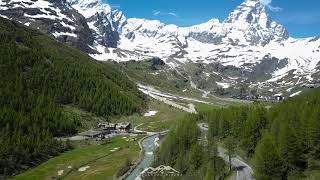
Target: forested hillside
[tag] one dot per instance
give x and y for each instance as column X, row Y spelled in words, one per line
column 283, row 141
column 38, row 75
column 194, row 159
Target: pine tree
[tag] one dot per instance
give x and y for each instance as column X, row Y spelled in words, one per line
column 291, row 149
column 231, row 146
column 268, row 164
column 210, row 174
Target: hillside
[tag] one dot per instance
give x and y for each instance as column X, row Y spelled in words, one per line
column 247, row 49
column 246, row 55
column 38, row 75
column 279, row 142
column 282, row 141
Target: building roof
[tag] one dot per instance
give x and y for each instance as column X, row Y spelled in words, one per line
column 123, row 125
column 107, row 124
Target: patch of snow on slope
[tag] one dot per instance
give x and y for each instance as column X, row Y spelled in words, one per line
column 60, row 172
column 57, row 34
column 82, row 169
column 295, row 94
column 43, row 6
column 150, row 113
column 223, row 85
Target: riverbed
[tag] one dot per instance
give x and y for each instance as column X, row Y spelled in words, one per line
column 149, row 146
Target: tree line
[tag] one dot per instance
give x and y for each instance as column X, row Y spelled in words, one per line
column 38, row 76
column 283, row 141
column 186, row 151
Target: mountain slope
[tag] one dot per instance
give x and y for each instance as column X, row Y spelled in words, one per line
column 104, row 22
column 57, row 18
column 247, row 49
column 38, row 75
column 259, row 50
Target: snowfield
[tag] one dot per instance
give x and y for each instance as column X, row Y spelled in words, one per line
column 237, row 41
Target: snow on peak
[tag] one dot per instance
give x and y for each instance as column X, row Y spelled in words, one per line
column 246, row 12
column 251, row 20
column 144, row 24
column 211, row 25
column 244, row 39
column 97, row 9
column 89, row 8
column 105, row 23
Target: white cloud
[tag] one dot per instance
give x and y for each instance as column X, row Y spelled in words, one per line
column 267, row 3
column 173, row 14
column 115, row 6
column 160, row 13
column 156, row 13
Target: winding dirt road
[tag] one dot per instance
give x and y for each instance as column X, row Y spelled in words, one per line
column 244, row 171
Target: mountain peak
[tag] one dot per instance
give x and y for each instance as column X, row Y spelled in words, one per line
column 247, row 12
column 251, row 18
column 104, row 22
column 89, row 8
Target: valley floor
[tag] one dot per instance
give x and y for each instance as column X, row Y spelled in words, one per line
column 161, row 119
column 92, row 159
column 89, row 160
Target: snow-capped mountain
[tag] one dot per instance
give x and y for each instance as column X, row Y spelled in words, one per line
column 247, row 47
column 248, row 40
column 102, row 20
column 251, row 20
column 54, row 17
column 247, row 25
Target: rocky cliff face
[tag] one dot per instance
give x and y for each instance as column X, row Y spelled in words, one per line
column 54, row 17
column 102, row 20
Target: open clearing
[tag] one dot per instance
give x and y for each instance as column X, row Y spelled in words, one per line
column 89, row 159
column 95, row 161
column 160, row 121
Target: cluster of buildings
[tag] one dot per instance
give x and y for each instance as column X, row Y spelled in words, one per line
column 275, row 98
column 105, row 128
column 118, row 127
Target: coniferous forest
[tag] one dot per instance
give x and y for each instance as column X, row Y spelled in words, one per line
column 186, row 151
column 38, row 76
column 282, row 142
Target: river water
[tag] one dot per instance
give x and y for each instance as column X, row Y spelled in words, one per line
column 149, row 147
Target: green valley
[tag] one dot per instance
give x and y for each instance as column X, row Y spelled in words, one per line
column 38, row 76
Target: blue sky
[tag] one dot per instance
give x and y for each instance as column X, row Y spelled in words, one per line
column 300, row 17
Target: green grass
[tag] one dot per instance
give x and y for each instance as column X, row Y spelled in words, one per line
column 205, row 107
column 168, row 80
column 161, row 121
column 104, row 163
column 142, row 72
column 312, row 175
